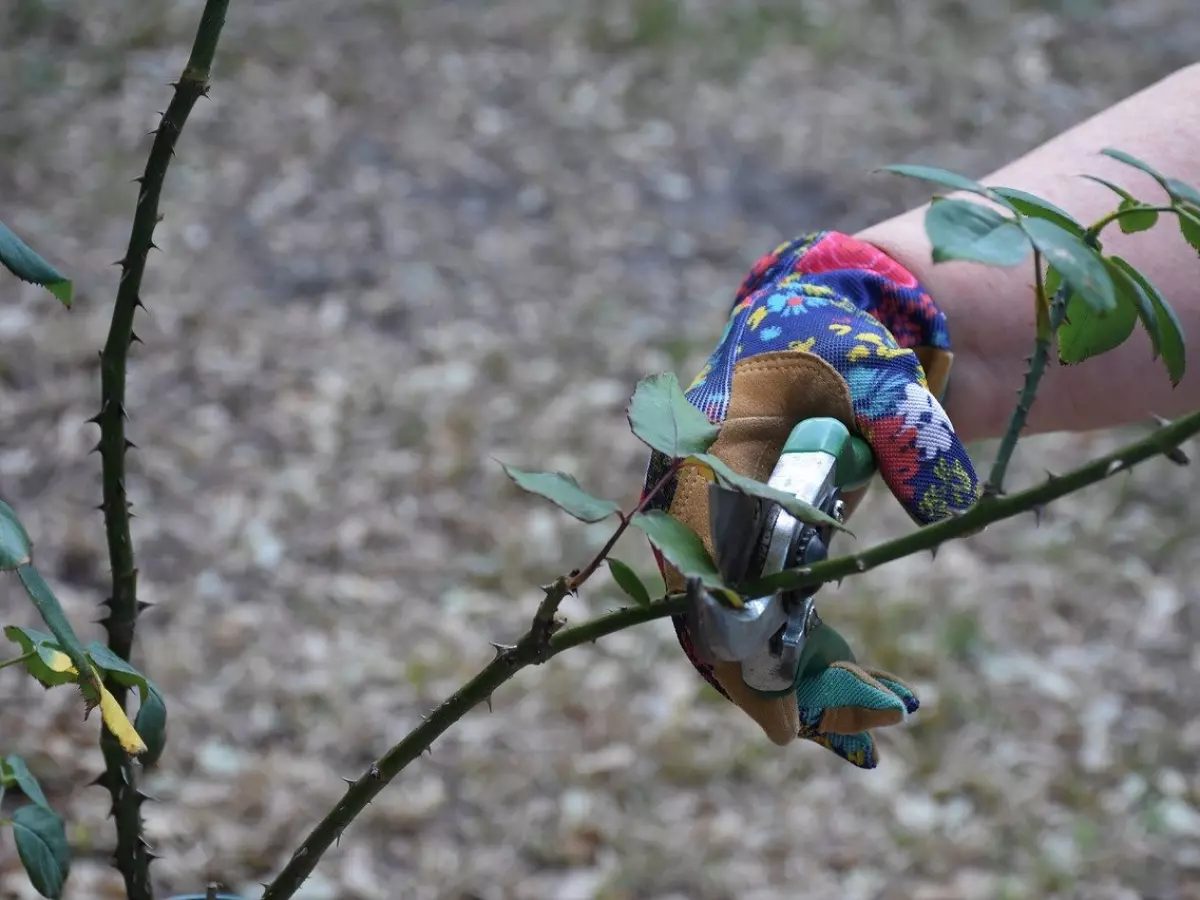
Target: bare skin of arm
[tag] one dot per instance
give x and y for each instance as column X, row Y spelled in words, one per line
column 990, row 311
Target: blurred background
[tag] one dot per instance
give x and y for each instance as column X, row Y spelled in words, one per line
column 405, row 239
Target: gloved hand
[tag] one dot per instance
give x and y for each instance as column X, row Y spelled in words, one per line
column 826, row 325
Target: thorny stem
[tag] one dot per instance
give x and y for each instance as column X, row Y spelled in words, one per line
column 1164, row 441
column 511, row 660
column 1050, row 314
column 132, row 857
column 544, row 624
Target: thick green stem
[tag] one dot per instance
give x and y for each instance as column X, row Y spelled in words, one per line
column 1163, row 441
column 531, row 649
column 1050, row 315
column 132, row 857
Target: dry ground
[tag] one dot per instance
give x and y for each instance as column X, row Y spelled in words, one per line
column 404, row 238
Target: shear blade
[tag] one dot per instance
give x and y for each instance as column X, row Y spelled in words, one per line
column 735, row 523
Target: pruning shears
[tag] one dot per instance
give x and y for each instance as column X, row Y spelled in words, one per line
column 778, row 638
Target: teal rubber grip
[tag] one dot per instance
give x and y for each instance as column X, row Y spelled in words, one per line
column 855, row 461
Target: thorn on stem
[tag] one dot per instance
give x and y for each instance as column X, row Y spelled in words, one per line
column 1114, row 467
column 1037, row 509
column 933, row 551
column 1177, row 456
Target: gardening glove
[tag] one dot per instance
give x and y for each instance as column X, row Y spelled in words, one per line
column 826, row 326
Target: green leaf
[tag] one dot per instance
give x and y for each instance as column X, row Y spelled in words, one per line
column 1037, row 208
column 801, row 510
column 43, row 646
column 962, row 230
column 662, row 418
column 1130, row 160
column 564, row 491
column 1082, row 268
column 1171, row 344
column 16, row 772
column 629, row 582
column 19, row 259
column 938, row 176
column 1116, row 189
column 1129, row 288
column 16, row 549
column 151, row 724
column 1189, row 226
column 680, row 545
column 1182, row 192
column 1132, row 222
column 1089, row 332
column 56, row 620
column 42, row 846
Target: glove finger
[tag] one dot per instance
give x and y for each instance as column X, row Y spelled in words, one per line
column 844, row 699
column 919, row 455
column 857, row 749
column 897, row 687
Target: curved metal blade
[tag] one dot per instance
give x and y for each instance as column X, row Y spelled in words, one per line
column 735, row 521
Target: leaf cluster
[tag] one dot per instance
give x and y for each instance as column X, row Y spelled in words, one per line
column 1103, row 296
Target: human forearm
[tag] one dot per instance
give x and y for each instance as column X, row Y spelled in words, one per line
column 990, row 310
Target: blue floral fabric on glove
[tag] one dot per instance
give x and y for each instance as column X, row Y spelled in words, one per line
column 859, row 310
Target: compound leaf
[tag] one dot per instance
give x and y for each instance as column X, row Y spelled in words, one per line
column 680, row 545
column 16, row 772
column 938, row 176
column 1171, row 343
column 22, row 261
column 42, row 846
column 1131, row 289
column 16, row 549
column 962, row 230
column 1182, row 192
column 1130, row 160
column 563, row 491
column 1116, row 189
column 662, row 418
column 628, row 581
column 151, row 724
column 799, row 509
column 1081, row 267
column 44, row 649
column 1089, row 332
column 1189, row 226
column 52, row 614
column 1037, row 208
column 1143, row 219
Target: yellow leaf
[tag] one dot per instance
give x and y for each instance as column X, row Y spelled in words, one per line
column 110, row 710
column 118, row 723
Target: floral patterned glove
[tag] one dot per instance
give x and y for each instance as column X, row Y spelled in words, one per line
column 827, row 325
